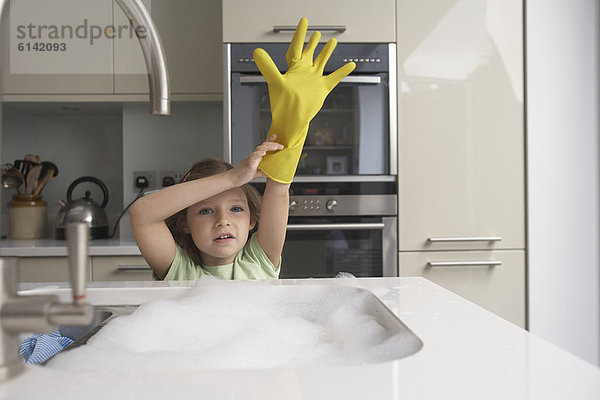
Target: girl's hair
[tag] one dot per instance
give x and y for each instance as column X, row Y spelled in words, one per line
column 202, row 169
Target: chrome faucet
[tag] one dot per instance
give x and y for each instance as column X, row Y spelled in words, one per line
column 20, row 313
column 156, row 62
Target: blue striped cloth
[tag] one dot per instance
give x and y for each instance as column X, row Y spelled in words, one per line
column 41, row 347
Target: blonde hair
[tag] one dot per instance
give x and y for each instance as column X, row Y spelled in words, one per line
column 176, row 222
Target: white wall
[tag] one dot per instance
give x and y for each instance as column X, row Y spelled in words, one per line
column 563, row 173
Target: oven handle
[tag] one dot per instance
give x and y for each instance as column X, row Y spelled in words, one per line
column 366, row 79
column 339, row 227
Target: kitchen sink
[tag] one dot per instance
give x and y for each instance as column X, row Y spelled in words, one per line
column 319, row 319
column 102, row 316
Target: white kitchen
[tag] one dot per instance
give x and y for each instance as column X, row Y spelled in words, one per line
column 458, row 163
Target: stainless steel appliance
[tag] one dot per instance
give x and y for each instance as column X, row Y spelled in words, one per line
column 343, row 203
column 355, row 132
column 331, row 229
column 84, row 209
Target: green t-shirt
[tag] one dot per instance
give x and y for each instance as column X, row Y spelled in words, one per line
column 250, row 263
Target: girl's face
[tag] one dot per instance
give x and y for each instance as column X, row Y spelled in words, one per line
column 219, row 226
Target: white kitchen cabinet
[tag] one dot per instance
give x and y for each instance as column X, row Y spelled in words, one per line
column 494, row 280
column 254, row 21
column 100, row 268
column 120, row 268
column 31, row 69
column 460, row 122
column 461, row 168
column 45, row 269
column 191, row 35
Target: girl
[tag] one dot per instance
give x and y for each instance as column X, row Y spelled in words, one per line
column 202, row 225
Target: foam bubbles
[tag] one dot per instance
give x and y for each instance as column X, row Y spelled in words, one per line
column 233, row 324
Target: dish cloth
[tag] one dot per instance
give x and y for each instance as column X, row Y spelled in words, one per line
column 41, row 347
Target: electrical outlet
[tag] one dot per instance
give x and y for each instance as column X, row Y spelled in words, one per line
column 168, row 178
column 149, row 176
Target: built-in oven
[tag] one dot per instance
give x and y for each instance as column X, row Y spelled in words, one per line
column 332, row 230
column 343, row 201
column 354, row 134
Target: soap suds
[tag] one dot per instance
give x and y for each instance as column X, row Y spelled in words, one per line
column 225, row 325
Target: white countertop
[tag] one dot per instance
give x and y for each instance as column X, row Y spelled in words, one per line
column 58, row 248
column 468, row 353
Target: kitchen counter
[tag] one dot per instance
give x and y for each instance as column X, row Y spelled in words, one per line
column 58, row 248
column 468, row 353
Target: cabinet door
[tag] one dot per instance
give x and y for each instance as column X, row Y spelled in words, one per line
column 191, row 35
column 120, row 268
column 50, row 50
column 45, row 269
column 460, row 123
column 494, row 280
column 253, row 21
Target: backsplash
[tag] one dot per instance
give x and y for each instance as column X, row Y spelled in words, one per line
column 109, row 142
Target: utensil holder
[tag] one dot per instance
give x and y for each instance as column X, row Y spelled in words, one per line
column 27, row 217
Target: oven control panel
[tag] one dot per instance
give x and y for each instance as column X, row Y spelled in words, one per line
column 343, row 205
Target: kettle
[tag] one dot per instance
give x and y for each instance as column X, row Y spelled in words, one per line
column 84, row 210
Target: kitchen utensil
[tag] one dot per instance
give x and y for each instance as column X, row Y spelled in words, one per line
column 32, row 158
column 13, row 180
column 49, row 170
column 47, row 165
column 84, row 210
column 6, row 167
column 23, row 166
column 42, row 182
column 32, row 179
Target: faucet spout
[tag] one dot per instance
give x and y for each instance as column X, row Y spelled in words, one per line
column 20, row 313
column 154, row 54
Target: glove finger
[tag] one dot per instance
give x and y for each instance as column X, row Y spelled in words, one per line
column 336, row 76
column 266, row 66
column 294, row 52
column 311, row 46
column 324, row 55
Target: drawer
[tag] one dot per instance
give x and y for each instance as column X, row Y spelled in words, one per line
column 494, row 280
column 45, row 269
column 254, row 21
column 120, row 268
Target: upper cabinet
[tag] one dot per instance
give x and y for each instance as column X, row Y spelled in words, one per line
column 74, row 62
column 347, row 21
column 191, row 35
column 461, row 125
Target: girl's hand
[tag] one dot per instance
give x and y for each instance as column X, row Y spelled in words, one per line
column 248, row 169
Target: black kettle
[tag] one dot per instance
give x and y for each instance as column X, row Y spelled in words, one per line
column 84, row 210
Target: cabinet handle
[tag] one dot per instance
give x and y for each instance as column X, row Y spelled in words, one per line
column 133, row 268
column 465, row 239
column 292, row 28
column 463, row 263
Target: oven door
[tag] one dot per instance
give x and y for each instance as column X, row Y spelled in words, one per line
column 349, row 136
column 322, row 247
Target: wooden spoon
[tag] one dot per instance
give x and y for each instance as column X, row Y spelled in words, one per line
column 32, row 178
column 42, row 182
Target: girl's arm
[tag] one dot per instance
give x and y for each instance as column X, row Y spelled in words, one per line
column 273, row 219
column 148, row 214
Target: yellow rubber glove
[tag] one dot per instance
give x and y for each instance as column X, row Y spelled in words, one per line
column 296, row 97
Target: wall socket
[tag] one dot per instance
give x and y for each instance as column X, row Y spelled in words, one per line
column 149, row 176
column 168, row 178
